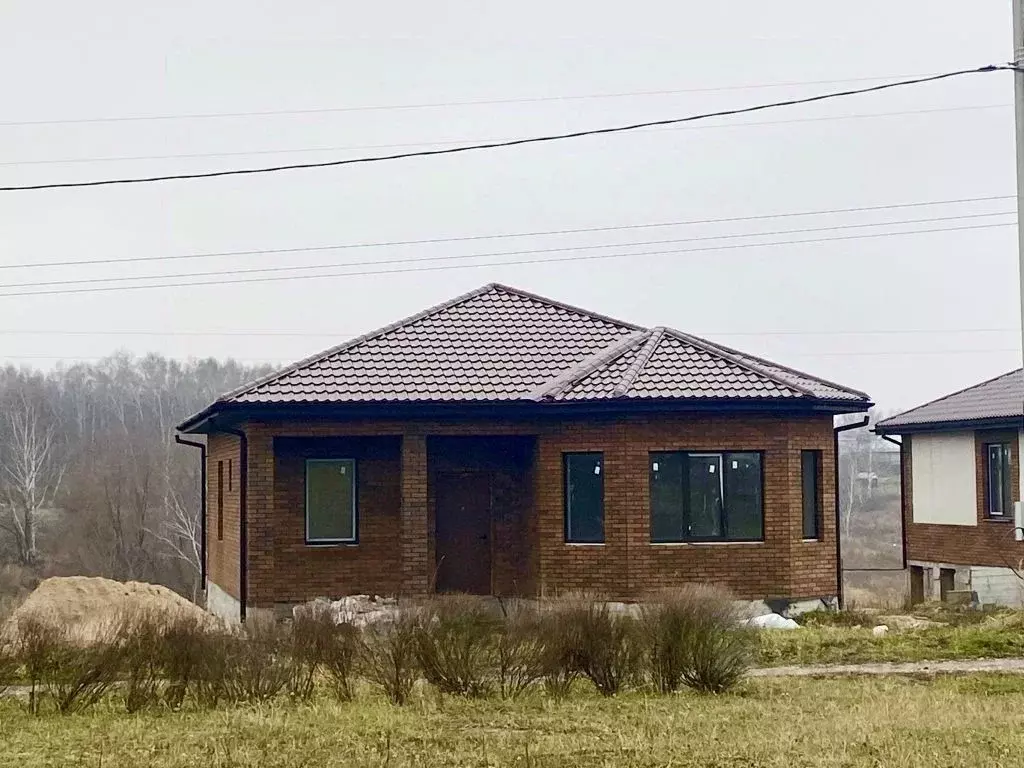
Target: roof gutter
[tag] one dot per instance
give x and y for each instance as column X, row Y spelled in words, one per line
column 243, row 517
column 903, row 499
column 202, row 505
column 839, row 542
column 396, row 410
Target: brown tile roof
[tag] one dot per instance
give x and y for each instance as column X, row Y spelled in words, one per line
column 502, row 344
column 998, row 398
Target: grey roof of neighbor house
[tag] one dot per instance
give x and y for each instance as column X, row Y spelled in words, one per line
column 1001, row 398
column 500, row 344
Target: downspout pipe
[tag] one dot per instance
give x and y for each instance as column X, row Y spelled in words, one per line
column 202, row 505
column 839, row 542
column 243, row 517
column 903, row 498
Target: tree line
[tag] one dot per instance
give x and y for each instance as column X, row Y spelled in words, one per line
column 91, row 481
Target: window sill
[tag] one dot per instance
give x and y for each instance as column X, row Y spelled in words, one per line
column 811, row 541
column 1001, row 519
column 738, row 542
column 331, row 544
column 584, row 543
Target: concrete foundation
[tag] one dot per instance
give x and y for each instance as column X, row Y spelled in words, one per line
column 220, row 603
column 989, row 585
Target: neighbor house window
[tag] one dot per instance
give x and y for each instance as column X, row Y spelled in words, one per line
column 220, row 501
column 330, row 501
column 998, row 493
column 706, row 496
column 810, row 483
column 584, row 497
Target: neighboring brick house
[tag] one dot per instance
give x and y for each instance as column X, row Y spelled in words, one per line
column 962, row 478
column 503, row 443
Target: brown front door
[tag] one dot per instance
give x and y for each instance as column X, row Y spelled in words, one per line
column 463, row 525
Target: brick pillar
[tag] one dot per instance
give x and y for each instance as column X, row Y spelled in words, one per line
column 260, row 525
column 414, row 545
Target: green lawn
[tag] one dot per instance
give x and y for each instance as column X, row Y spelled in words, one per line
column 965, row 721
column 852, row 645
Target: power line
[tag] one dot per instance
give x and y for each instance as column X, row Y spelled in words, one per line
column 452, row 142
column 347, row 334
column 506, row 235
column 514, row 142
column 443, row 104
column 468, row 256
column 445, row 267
column 873, row 353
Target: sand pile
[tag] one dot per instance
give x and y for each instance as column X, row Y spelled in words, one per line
column 86, row 604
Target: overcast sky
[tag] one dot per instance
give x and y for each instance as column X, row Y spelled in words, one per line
column 906, row 318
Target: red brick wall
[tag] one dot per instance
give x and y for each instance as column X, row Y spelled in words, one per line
column 991, row 542
column 395, row 550
column 222, row 554
column 628, row 565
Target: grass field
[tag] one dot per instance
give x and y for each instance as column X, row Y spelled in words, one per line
column 854, row 645
column 968, row 721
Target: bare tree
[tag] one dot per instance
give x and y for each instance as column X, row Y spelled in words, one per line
column 30, row 475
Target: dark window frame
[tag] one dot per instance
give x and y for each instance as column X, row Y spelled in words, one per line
column 220, row 501
column 331, row 542
column 817, row 457
column 725, row 537
column 566, row 508
column 1005, row 494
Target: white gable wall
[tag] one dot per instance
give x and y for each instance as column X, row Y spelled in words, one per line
column 944, row 479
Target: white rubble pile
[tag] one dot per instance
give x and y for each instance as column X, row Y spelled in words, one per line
column 771, row 621
column 357, row 610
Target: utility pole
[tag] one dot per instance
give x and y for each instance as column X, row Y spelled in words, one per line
column 1018, row 101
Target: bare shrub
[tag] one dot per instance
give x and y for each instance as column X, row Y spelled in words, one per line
column 608, row 651
column 388, row 656
column 194, row 657
column 36, row 646
column 141, row 636
column 521, row 652
column 456, row 644
column 559, row 638
column 9, row 665
column 692, row 637
column 340, row 660
column 258, row 663
column 322, row 647
column 80, row 673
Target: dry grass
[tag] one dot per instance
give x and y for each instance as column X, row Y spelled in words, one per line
column 970, row 722
column 856, row 644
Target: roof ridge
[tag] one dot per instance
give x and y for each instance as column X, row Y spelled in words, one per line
column 641, row 361
column 736, row 358
column 773, row 364
column 586, row 366
column 567, row 307
column 359, row 340
column 909, row 411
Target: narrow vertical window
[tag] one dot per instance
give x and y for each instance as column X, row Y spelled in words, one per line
column 220, row 501
column 331, row 501
column 998, row 479
column 810, row 482
column 584, row 497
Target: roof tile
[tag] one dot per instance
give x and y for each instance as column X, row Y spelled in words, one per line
column 502, row 344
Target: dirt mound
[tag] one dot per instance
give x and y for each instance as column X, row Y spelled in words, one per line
column 84, row 604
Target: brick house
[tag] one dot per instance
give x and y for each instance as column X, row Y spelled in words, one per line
column 503, row 443
column 962, row 478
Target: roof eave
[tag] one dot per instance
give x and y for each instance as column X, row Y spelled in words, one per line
column 201, row 422
column 950, row 425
